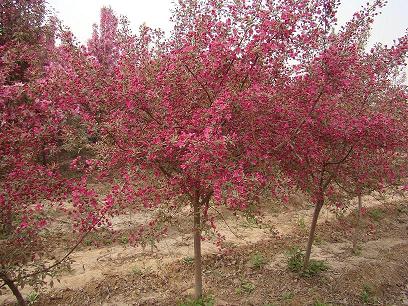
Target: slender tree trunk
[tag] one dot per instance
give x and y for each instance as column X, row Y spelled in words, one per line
column 43, row 158
column 8, row 221
column 197, row 248
column 14, row 289
column 316, row 213
column 356, row 235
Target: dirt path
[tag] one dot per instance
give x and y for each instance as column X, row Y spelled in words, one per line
column 94, row 264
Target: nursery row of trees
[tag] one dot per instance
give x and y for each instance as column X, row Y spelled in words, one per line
column 243, row 97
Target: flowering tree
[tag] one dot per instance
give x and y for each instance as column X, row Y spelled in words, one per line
column 31, row 138
column 241, row 94
column 381, row 167
column 179, row 119
column 27, row 136
column 358, row 118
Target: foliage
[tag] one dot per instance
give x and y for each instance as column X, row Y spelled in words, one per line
column 188, row 260
column 367, row 294
column 302, row 224
column 295, row 259
column 137, row 271
column 246, row 287
column 33, row 186
column 124, row 240
column 257, row 260
column 243, row 96
column 288, row 295
column 296, row 262
column 32, row 297
column 204, row 301
column 376, row 214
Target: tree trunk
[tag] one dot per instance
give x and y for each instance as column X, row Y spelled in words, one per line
column 8, row 221
column 14, row 289
column 358, row 225
column 43, row 155
column 197, row 248
column 316, row 213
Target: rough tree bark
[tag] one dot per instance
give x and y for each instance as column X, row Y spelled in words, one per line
column 198, row 292
column 13, row 288
column 356, row 235
column 7, row 221
column 316, row 213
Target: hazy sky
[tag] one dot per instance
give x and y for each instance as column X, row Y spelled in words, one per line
column 79, row 15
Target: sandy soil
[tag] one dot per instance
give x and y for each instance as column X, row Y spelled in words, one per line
column 126, row 275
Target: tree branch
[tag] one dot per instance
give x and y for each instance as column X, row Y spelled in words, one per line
column 210, row 99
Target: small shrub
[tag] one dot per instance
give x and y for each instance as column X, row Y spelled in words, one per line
column 376, row 214
column 251, row 222
column 257, row 261
column 124, row 240
column 315, row 267
column 367, row 295
column 136, row 270
column 318, row 240
column 295, row 260
column 32, row 297
column 288, row 295
column 88, row 242
column 204, row 301
column 295, row 263
column 302, row 224
column 246, row 287
column 188, row 260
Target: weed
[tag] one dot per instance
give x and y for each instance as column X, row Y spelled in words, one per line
column 367, row 294
column 188, row 260
column 32, row 297
column 315, row 267
column 288, row 295
column 88, row 242
column 318, row 240
column 246, row 287
column 295, row 263
column 251, row 222
column 124, row 240
column 295, row 259
column 204, row 301
column 302, row 224
column 257, row 260
column 136, row 270
column 357, row 251
column 318, row 303
column 376, row 214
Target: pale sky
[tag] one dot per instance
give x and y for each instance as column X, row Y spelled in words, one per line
column 79, row 15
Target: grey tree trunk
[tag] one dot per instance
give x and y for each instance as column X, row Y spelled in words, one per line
column 316, row 213
column 198, row 292
column 13, row 289
column 357, row 230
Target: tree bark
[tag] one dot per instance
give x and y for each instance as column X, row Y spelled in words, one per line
column 197, row 248
column 358, row 225
column 316, row 213
column 43, row 155
column 14, row 289
column 8, row 221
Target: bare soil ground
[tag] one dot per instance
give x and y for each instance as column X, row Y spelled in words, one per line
column 115, row 273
